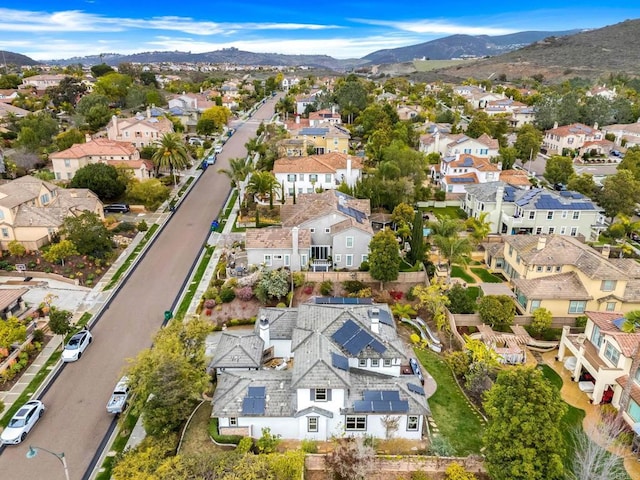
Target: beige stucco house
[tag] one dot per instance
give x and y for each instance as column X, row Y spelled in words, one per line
column 322, row 139
column 32, row 210
column 141, row 130
column 100, row 150
column 42, row 82
column 571, row 137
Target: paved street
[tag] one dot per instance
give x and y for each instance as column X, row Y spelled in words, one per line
column 76, row 421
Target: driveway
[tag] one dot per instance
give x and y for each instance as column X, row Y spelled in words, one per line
column 76, row 421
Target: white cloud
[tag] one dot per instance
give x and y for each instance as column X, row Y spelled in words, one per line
column 430, row 27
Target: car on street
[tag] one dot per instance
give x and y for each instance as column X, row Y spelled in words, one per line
column 217, row 149
column 116, row 208
column 22, row 422
column 211, row 159
column 76, row 346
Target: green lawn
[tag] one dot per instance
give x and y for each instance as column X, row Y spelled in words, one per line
column 459, row 272
column 485, row 276
column 572, row 420
column 453, row 212
column 457, row 421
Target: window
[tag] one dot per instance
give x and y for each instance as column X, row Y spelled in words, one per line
column 291, row 177
column 577, row 306
column 233, row 421
column 612, row 354
column 375, row 362
column 44, row 198
column 574, row 231
column 535, row 304
column 362, row 362
column 350, row 241
column 563, row 230
column 550, row 215
column 301, row 176
column 312, row 230
column 310, row 190
column 291, row 191
column 634, row 411
column 348, row 260
column 549, row 268
column 564, row 213
column 313, row 178
column 312, row 424
column 538, row 230
column 5, row 232
column 267, row 260
column 364, row 258
column 558, row 269
column 532, row 215
column 327, row 177
column 338, row 258
column 608, row 285
column 356, row 422
column 539, row 268
column 576, row 215
column 611, row 306
column 636, row 377
column 321, row 395
column 596, row 336
column 412, row 423
column 1, row 215
column 303, row 259
column 552, row 230
column 510, row 250
column 67, row 163
column 287, row 260
column 387, row 362
column 58, row 176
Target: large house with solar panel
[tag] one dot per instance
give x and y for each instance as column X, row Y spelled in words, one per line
column 536, row 211
column 324, row 369
column 601, row 361
column 454, row 174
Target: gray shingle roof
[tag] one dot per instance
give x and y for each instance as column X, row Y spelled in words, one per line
column 237, row 350
column 281, row 322
column 312, row 366
column 485, row 192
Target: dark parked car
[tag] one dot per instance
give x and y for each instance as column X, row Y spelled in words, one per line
column 116, row 208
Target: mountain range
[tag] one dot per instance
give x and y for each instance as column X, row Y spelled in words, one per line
column 443, row 48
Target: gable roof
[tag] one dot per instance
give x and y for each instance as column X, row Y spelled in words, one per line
column 573, row 129
column 275, row 238
column 97, row 147
column 466, row 160
column 326, row 163
column 544, row 199
column 604, row 320
column 236, row 350
column 563, row 286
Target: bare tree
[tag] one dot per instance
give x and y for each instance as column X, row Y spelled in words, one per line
column 595, row 452
column 351, row 459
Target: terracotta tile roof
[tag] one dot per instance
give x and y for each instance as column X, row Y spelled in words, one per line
column 470, row 161
column 573, row 129
column 451, row 179
column 297, row 123
column 604, row 320
column 275, row 238
column 515, row 177
column 563, row 286
column 326, row 163
column 635, row 389
column 488, row 141
column 97, row 147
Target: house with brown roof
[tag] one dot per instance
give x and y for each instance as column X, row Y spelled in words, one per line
column 601, row 359
column 42, row 82
column 318, row 140
column 100, row 150
column 321, row 117
column 516, row 113
column 564, row 275
column 275, row 248
column 464, row 169
column 32, row 210
column 448, row 144
column 326, row 172
column 141, row 130
column 570, row 137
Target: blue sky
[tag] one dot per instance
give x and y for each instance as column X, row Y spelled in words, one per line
column 347, row 29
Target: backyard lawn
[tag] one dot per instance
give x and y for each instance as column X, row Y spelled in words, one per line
column 459, row 272
column 457, row 421
column 485, row 275
column 453, row 212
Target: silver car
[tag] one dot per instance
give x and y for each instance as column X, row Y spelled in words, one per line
column 76, row 346
column 22, row 422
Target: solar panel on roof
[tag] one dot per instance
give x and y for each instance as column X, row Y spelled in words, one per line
column 256, row 392
column 372, row 395
column 358, row 342
column 385, row 317
column 361, row 406
column 339, row 361
column 390, row 395
column 377, row 346
column 253, row 406
column 415, row 388
column 346, row 332
column 381, row 406
column 400, row 406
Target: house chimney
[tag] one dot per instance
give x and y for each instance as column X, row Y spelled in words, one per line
column 437, row 142
column 148, row 112
column 375, row 319
column 542, row 242
column 294, row 242
column 606, row 250
column 555, row 124
column 297, row 118
column 115, row 125
column 264, row 331
column 349, row 165
column 595, row 125
column 87, row 138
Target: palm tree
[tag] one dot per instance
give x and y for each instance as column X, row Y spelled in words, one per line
column 262, row 183
column 630, row 227
column 171, row 153
column 631, row 321
column 444, row 227
column 237, row 173
column 481, row 226
column 454, row 249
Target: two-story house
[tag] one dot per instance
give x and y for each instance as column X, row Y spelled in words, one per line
column 456, row 173
column 141, row 130
column 627, row 134
column 100, row 150
column 32, row 211
column 326, row 172
column 477, row 97
column 569, row 137
column 449, row 145
column 321, row 117
column 188, row 107
column 516, row 113
column 564, row 275
column 518, row 209
column 274, row 248
column 601, row 360
column 315, row 140
column 42, row 82
column 320, row 371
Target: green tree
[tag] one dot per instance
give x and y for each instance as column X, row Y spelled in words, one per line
column 541, row 321
column 68, row 91
column 351, row 95
column 114, row 86
column 508, row 157
column 205, row 126
column 273, row 284
column 171, row 154
column 36, row 131
column 384, row 257
column 168, row 379
column 150, row 193
column 528, row 142
column 16, row 249
column 523, row 440
column 403, row 310
column 262, row 184
column 59, row 252
column 218, row 115
column 497, row 311
column 480, row 123
column 147, row 460
column 93, row 109
column 631, row 162
column 459, row 300
column 434, row 300
column 101, row 179
column 87, row 232
column 59, row 321
column 12, row 330
column 558, row 169
column 101, row 69
column 620, row 193
column 417, row 240
column 268, row 442
column 69, row 138
column 403, row 215
column 480, row 226
column 582, row 183
column 454, row 250
column 455, row 471
column 238, row 170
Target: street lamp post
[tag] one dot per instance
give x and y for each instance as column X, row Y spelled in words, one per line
column 33, row 451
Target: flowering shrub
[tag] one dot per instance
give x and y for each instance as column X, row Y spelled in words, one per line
column 245, row 293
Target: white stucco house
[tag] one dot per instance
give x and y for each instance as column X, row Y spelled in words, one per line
column 319, row 371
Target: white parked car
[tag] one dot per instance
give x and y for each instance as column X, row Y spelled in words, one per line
column 76, row 346
column 22, row 422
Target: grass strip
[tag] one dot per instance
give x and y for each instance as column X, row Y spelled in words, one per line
column 132, row 256
column 118, row 445
column 485, row 276
column 457, row 420
column 195, row 282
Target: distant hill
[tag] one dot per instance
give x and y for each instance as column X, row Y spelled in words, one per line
column 227, row 55
column 589, row 54
column 456, row 46
column 10, row 58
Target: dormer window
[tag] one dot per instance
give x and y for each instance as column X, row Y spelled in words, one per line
column 320, row 395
